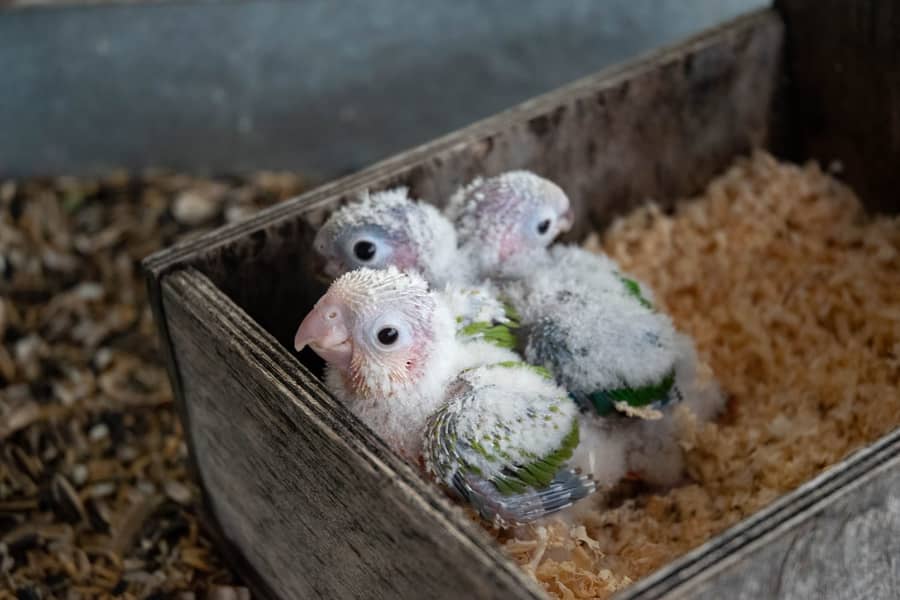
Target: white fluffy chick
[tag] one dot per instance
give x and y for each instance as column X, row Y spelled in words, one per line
column 581, row 318
column 390, row 229
column 498, row 433
column 566, row 309
column 526, row 212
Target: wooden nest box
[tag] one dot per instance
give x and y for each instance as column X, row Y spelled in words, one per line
column 308, row 503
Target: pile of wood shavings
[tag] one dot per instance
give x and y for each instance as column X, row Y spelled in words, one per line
column 793, row 296
column 95, row 497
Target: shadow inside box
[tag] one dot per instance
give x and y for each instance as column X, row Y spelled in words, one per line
column 275, row 278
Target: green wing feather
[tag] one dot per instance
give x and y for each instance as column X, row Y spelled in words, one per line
column 481, row 454
column 540, row 472
column 659, row 394
column 499, row 333
column 517, row 364
column 634, row 289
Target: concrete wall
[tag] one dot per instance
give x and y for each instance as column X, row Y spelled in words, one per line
column 320, row 85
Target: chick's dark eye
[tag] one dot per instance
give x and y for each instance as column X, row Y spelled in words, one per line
column 543, row 227
column 388, row 335
column 364, row 250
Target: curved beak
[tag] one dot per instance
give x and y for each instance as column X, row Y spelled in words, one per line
column 325, row 331
column 333, row 268
column 566, row 220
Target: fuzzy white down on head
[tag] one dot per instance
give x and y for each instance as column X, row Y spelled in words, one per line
column 501, row 217
column 394, row 390
column 474, row 303
column 365, row 291
column 390, row 229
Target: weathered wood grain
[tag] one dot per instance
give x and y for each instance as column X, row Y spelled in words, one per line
column 834, row 537
column 844, row 69
column 845, row 549
column 232, row 554
column 316, row 505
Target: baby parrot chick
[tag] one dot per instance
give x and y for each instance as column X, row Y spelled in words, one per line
column 595, row 328
column 498, row 433
column 581, row 318
column 389, row 228
column 566, row 309
column 525, row 211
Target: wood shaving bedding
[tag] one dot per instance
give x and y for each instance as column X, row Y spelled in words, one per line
column 792, row 294
column 95, row 496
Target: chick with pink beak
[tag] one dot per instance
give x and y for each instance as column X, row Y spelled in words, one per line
column 382, row 336
column 394, row 359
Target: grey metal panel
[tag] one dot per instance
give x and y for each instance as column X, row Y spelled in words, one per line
column 316, row 85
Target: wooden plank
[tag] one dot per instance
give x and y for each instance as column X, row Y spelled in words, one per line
column 231, row 554
column 315, row 504
column 834, row 537
column 844, row 69
column 658, row 128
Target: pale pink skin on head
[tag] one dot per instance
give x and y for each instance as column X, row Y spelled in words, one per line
column 499, row 217
column 395, row 230
column 511, row 244
column 404, row 257
column 329, row 329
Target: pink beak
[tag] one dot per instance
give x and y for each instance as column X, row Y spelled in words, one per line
column 325, row 331
column 566, row 220
column 333, row 268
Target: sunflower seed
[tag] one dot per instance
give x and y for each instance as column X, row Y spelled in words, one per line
column 79, row 474
column 98, row 432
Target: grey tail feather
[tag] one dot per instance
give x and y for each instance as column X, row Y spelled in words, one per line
column 568, row 487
